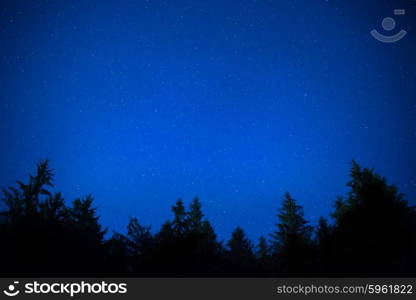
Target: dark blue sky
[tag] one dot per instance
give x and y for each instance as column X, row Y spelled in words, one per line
column 237, row 102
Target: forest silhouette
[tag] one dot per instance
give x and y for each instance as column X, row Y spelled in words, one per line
column 372, row 232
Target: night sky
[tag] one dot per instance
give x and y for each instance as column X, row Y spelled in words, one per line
column 142, row 102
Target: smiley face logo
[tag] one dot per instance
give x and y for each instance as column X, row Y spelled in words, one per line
column 389, row 24
column 11, row 290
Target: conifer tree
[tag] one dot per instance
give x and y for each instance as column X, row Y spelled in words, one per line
column 291, row 242
column 25, row 201
column 240, row 251
column 239, row 244
column 179, row 222
column 373, row 225
column 263, row 255
column 195, row 216
column 292, row 225
column 140, row 237
column 323, row 241
column 263, row 250
column 323, row 232
column 84, row 218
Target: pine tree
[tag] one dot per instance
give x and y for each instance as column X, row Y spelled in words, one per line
column 340, row 208
column 201, row 235
column 26, row 200
column 53, row 208
column 84, row 218
column 374, row 226
column 292, row 225
column 139, row 243
column 86, row 235
column 179, row 221
column 195, row 216
column 291, row 241
column 239, row 244
column 118, row 255
column 208, row 233
column 60, row 238
column 263, row 256
column 263, row 250
column 140, row 237
column 165, row 233
column 323, row 232
column 240, row 251
column 323, row 241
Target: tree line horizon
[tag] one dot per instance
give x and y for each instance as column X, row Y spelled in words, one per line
column 372, row 233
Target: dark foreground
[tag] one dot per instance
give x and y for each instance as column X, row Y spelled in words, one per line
column 372, row 233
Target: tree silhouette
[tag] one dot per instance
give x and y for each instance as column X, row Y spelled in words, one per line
column 41, row 234
column 194, row 216
column 373, row 232
column 291, row 242
column 263, row 250
column 179, row 224
column 263, row 255
column 374, row 229
column 324, row 234
column 140, row 242
column 118, row 259
column 140, row 237
column 84, row 219
column 240, row 251
column 26, row 201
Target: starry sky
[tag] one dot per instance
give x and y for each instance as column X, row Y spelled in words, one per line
column 237, row 102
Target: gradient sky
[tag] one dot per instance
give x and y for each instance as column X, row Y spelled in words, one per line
column 237, row 102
